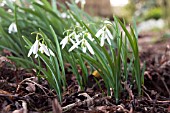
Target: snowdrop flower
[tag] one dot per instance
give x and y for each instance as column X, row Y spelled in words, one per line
column 104, row 34
column 9, row 10
column 34, row 49
column 12, row 28
column 89, row 36
column 64, row 15
column 73, row 36
column 3, row 3
column 107, row 22
column 64, row 41
column 83, row 2
column 43, row 49
column 75, row 45
column 70, row 38
column 85, row 46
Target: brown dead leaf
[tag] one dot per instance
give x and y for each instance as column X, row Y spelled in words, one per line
column 56, row 106
column 30, row 87
column 24, row 105
column 102, row 108
column 6, row 93
column 7, row 52
column 19, row 111
column 6, row 108
column 22, row 110
column 2, row 59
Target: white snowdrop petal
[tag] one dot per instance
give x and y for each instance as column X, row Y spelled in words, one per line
column 99, row 33
column 3, row 3
column 107, row 22
column 36, row 55
column 102, row 40
column 72, row 41
column 64, row 42
column 77, row 1
column 12, row 28
column 74, row 46
column 41, row 50
column 39, row 2
column 70, row 35
column 84, row 49
column 35, row 47
column 83, row 2
column 63, row 15
column 77, row 37
column 30, row 51
column 51, row 52
column 15, row 28
column 109, row 34
column 47, row 52
column 108, row 40
column 9, row 11
column 90, row 37
column 89, row 47
column 45, row 49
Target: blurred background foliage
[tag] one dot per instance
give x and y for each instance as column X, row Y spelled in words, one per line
column 141, row 10
column 148, row 9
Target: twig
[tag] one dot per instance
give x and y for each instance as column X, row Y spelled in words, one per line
column 130, row 94
column 131, row 109
column 2, row 82
column 88, row 102
column 160, row 101
column 128, row 90
column 8, row 95
column 29, row 80
column 19, row 85
column 165, row 85
column 121, row 108
column 147, row 95
column 70, row 106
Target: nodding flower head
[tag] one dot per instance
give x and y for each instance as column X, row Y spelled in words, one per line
column 73, row 38
column 34, row 48
column 37, row 46
column 104, row 34
column 85, row 46
column 80, row 37
column 46, row 50
column 64, row 41
column 12, row 28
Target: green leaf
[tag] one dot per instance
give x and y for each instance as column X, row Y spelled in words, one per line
column 59, row 53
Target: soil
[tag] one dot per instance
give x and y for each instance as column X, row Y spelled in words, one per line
column 22, row 91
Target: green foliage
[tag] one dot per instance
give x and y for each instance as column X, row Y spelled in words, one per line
column 153, row 13
column 44, row 23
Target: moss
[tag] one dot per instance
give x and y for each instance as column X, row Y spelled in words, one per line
column 154, row 13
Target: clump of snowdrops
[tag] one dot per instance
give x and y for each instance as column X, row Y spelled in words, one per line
column 38, row 31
